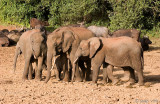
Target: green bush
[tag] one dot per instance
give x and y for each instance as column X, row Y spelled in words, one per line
column 114, row 14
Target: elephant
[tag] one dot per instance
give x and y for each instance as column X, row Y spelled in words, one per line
column 66, row 40
column 99, row 31
column 34, row 22
column 4, row 40
column 14, row 36
column 121, row 52
column 62, row 64
column 5, row 31
column 32, row 44
column 133, row 33
column 145, row 41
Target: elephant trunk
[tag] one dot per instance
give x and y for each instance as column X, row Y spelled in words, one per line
column 49, row 65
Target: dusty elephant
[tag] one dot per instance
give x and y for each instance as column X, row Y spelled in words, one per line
column 32, row 44
column 99, row 31
column 121, row 52
column 66, row 40
column 133, row 33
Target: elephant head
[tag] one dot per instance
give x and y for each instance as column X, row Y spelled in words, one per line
column 38, row 41
column 88, row 48
column 58, row 42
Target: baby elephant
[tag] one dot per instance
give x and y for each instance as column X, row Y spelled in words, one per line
column 145, row 41
column 62, row 64
column 121, row 52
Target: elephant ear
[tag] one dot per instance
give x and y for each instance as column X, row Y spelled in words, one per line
column 67, row 40
column 94, row 46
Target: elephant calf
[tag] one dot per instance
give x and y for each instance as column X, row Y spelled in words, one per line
column 120, row 51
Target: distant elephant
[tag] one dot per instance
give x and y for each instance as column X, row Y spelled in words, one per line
column 121, row 52
column 99, row 31
column 133, row 33
column 32, row 44
column 14, row 36
column 4, row 40
column 34, row 22
column 145, row 41
column 5, row 31
column 66, row 40
column 62, row 64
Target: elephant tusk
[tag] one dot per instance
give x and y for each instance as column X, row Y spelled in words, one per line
column 53, row 64
column 35, row 57
column 75, row 60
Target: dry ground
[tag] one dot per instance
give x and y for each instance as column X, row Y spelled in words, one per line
column 15, row 91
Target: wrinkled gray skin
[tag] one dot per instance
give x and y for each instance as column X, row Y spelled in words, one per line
column 62, row 64
column 133, row 33
column 4, row 41
column 66, row 40
column 32, row 44
column 120, row 52
column 99, row 31
column 145, row 41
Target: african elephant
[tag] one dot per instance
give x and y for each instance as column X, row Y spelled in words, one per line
column 122, row 52
column 62, row 64
column 99, row 31
column 133, row 33
column 66, row 40
column 32, row 44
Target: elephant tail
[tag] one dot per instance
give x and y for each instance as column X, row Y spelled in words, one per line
column 17, row 52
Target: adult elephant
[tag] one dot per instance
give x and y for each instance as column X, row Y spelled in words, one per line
column 121, row 52
column 66, row 40
column 133, row 33
column 32, row 44
column 99, row 31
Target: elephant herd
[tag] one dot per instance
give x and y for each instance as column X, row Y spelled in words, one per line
column 76, row 51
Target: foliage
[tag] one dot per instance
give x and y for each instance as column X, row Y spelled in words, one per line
column 115, row 14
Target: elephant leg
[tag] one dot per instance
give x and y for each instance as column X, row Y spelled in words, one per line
column 26, row 68
column 110, row 74
column 129, row 75
column 78, row 77
column 95, row 68
column 140, row 77
column 66, row 68
column 30, row 71
column 81, row 65
column 57, row 72
column 39, row 69
column 88, row 71
column 105, row 75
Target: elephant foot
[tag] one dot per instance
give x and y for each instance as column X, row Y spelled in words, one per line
column 38, row 78
column 131, row 80
column 78, row 79
column 30, row 78
column 140, row 83
column 115, row 81
column 24, row 78
column 58, row 79
column 124, row 79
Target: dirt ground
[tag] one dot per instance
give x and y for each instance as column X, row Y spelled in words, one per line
column 15, row 91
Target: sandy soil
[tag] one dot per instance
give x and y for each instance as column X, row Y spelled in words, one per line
column 15, row 91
